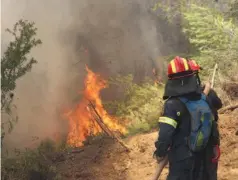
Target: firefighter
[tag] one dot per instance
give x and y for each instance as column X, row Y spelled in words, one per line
column 175, row 122
column 212, row 152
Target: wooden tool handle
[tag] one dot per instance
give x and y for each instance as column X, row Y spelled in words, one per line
column 160, row 168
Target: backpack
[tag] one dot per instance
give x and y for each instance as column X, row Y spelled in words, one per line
column 201, row 122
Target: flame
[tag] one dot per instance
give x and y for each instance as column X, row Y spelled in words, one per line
column 81, row 120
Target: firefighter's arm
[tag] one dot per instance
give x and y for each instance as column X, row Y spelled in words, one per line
column 207, row 88
column 216, row 101
column 167, row 125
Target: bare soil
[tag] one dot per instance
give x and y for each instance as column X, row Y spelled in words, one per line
column 107, row 160
column 231, row 88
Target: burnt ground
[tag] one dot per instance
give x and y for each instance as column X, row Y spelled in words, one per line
column 107, row 160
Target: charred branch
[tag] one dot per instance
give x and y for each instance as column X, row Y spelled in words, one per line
column 104, row 127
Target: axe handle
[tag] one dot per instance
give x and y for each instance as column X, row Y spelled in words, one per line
column 213, row 75
column 160, row 168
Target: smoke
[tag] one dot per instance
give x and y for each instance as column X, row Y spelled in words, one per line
column 120, row 33
column 123, row 36
column 110, row 36
column 41, row 92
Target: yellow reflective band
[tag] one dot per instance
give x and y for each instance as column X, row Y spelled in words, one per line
column 185, row 62
column 173, row 66
column 194, row 62
column 169, row 121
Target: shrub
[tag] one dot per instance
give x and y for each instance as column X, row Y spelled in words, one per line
column 33, row 163
column 141, row 105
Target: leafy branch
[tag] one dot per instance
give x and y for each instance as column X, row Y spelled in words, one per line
column 16, row 62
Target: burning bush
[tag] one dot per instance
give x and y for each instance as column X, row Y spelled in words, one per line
column 82, row 122
column 140, row 108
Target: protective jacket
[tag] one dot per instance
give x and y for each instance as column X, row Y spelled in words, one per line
column 174, row 125
column 215, row 102
column 210, row 167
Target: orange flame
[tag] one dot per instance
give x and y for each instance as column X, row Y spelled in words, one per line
column 81, row 121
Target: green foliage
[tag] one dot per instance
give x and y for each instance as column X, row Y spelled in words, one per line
column 171, row 10
column 213, row 36
column 207, row 29
column 141, row 105
column 31, row 163
column 15, row 62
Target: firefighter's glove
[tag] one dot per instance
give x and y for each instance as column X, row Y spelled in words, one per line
column 216, row 153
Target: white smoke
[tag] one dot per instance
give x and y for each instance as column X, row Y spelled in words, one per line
column 120, row 36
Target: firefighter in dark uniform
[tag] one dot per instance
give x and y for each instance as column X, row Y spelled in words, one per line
column 212, row 152
column 174, row 124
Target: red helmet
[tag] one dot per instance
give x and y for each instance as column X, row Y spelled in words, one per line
column 179, row 67
column 194, row 66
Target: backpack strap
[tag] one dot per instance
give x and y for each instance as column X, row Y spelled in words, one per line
column 204, row 98
column 183, row 99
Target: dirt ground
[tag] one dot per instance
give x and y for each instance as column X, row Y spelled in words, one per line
column 107, row 160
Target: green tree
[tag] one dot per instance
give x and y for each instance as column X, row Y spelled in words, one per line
column 15, row 62
column 212, row 35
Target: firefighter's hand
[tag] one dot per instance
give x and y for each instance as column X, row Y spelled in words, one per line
column 158, row 159
column 207, row 88
column 208, row 84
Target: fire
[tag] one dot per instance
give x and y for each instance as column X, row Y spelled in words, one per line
column 81, row 120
